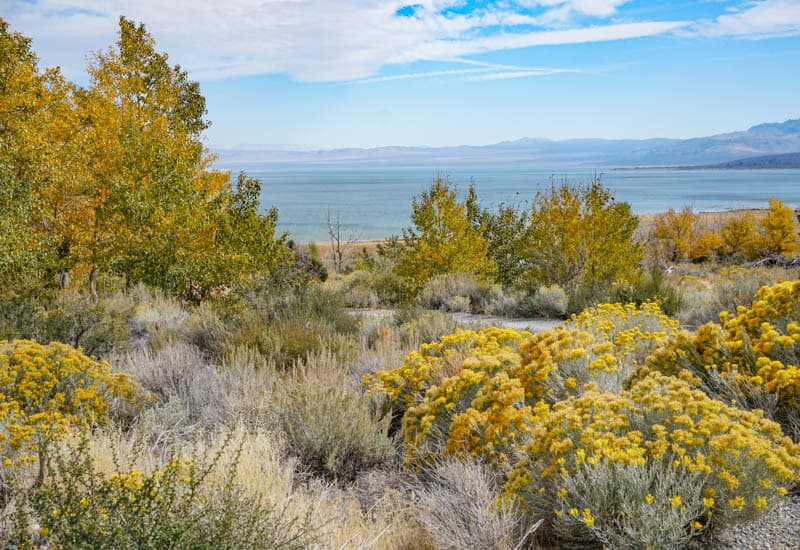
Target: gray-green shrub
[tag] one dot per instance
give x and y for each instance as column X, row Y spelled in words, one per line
column 334, row 431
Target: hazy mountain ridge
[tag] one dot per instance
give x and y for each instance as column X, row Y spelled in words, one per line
column 760, row 140
column 785, row 161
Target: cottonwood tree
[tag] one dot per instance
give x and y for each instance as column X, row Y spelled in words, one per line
column 676, row 233
column 778, row 233
column 504, row 229
column 41, row 194
column 442, row 239
column 581, row 239
column 114, row 176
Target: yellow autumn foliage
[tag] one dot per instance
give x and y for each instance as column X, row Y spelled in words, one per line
column 443, row 239
column 682, row 236
column 476, row 393
column 778, row 231
column 580, row 239
column 676, row 233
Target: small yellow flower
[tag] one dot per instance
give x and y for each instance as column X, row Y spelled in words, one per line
column 649, row 498
column 574, row 512
column 675, row 501
column 696, row 525
column 588, row 519
column 84, row 502
column 761, row 502
column 737, row 502
column 708, row 502
column 562, row 494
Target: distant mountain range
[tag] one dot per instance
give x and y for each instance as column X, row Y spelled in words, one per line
column 757, row 145
column 786, row 161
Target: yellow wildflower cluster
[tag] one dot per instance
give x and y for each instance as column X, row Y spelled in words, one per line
column 458, row 395
column 580, row 408
column 479, row 413
column 742, row 457
column 46, row 388
column 136, row 485
column 753, row 353
column 423, row 369
column 603, row 345
column 631, row 329
column 477, row 393
column 114, row 497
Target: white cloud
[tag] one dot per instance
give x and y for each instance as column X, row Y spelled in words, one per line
column 759, row 19
column 454, row 48
column 413, row 76
column 503, row 75
column 312, row 40
column 598, row 8
column 482, row 71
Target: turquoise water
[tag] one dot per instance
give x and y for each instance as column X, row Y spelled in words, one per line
column 374, row 203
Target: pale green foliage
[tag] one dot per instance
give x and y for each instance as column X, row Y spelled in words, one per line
column 332, row 430
column 550, row 301
column 462, row 292
column 504, row 230
column 459, row 510
column 442, row 240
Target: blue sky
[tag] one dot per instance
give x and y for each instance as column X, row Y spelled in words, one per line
column 338, row 73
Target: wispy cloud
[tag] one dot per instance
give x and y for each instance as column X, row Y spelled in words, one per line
column 757, row 19
column 502, row 75
column 326, row 40
column 483, row 71
column 425, row 74
column 314, row 40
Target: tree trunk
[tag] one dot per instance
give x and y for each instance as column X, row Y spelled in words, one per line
column 93, row 281
column 63, row 280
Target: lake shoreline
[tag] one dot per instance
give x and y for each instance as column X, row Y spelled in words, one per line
column 709, row 216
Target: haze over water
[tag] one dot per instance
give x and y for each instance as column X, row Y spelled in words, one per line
column 374, row 203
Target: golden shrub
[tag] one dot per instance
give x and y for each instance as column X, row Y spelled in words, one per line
column 675, row 233
column 45, row 389
column 406, row 386
column 477, row 393
column 778, row 231
column 604, row 345
column 589, row 435
column 751, row 358
column 740, row 459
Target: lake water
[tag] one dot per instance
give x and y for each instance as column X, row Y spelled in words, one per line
column 374, row 203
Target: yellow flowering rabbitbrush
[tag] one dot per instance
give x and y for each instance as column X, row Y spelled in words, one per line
column 587, row 434
column 752, row 359
column 423, row 369
column 661, row 418
column 603, row 345
column 45, row 389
